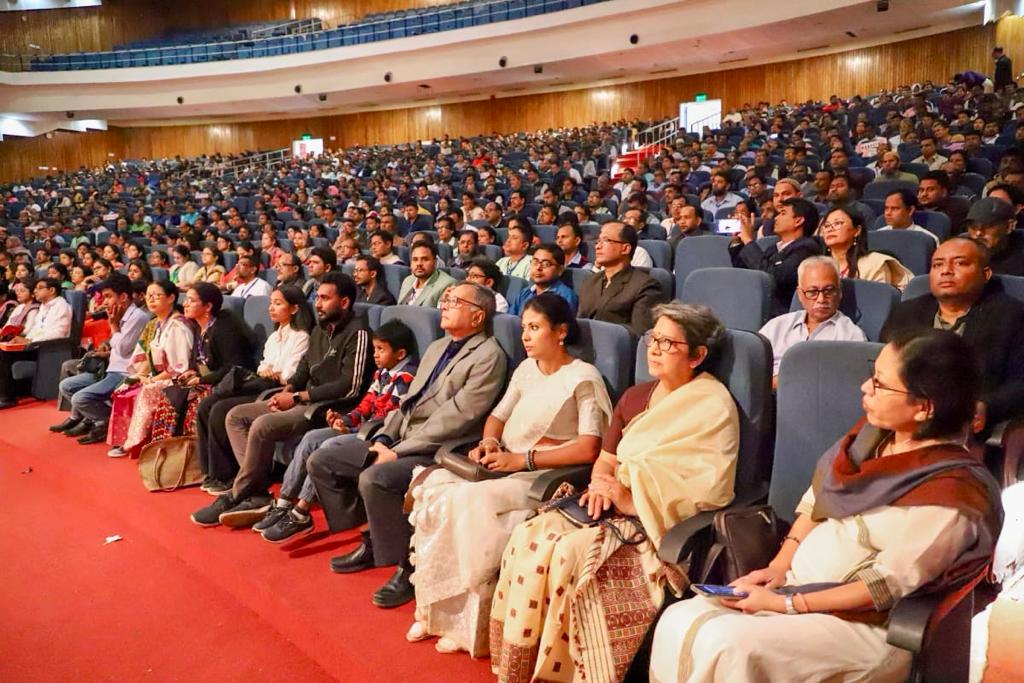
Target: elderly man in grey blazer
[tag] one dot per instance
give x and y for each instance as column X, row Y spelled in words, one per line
column 458, row 382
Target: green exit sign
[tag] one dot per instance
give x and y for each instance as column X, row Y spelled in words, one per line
column 307, row 136
column 700, row 97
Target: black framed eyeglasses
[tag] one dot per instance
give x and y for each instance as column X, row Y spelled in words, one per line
column 664, row 344
column 452, row 301
column 814, row 292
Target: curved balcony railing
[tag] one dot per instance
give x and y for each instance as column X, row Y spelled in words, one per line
column 381, row 27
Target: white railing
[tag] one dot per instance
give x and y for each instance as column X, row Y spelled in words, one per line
column 291, row 28
column 659, row 134
column 253, row 162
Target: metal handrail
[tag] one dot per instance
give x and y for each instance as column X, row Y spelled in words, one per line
column 232, row 168
column 656, row 135
column 291, row 28
column 348, row 34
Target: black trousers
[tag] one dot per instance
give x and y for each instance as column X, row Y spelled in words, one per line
column 353, row 490
column 215, row 455
column 8, row 390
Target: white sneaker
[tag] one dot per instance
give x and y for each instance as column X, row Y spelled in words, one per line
column 117, row 452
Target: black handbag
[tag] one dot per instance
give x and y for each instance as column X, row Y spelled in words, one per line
column 570, row 508
column 239, row 381
column 461, row 466
column 745, row 540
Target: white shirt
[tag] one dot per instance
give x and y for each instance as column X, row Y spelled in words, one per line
column 255, row 287
column 520, row 268
column 791, row 328
column 935, row 164
column 52, row 322
column 283, row 351
column 916, row 228
column 500, row 303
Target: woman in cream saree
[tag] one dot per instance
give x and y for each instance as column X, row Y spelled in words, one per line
column 556, row 408
column 575, row 603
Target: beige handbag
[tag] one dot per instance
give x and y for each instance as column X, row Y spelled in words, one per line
column 169, row 464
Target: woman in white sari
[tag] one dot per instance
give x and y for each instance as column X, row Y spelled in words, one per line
column 552, row 415
column 897, row 506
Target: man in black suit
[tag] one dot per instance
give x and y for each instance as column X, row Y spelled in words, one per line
column 964, row 299
column 618, row 293
column 795, row 222
column 1003, row 75
column 991, row 220
column 369, row 278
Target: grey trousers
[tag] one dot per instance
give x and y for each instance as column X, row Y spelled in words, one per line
column 353, row 490
column 254, row 430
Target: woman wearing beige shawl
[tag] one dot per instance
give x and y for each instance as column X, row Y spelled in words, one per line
column 575, row 603
column 555, row 407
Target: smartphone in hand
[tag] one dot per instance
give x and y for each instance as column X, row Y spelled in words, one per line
column 715, row 591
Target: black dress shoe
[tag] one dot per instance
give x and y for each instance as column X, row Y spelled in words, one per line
column 356, row 561
column 65, row 425
column 98, row 434
column 397, row 591
column 81, row 429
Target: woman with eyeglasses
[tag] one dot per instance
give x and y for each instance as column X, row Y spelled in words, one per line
column 164, row 357
column 552, row 415
column 669, row 452
column 846, row 237
column 212, row 269
column 898, row 506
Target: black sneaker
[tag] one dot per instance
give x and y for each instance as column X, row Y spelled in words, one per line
column 215, row 487
column 210, row 515
column 295, row 523
column 273, row 516
column 246, row 512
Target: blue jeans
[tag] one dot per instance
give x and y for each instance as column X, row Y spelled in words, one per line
column 296, row 483
column 90, row 398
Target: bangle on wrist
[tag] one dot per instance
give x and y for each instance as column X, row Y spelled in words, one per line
column 792, row 538
column 489, row 439
column 530, row 465
column 790, row 608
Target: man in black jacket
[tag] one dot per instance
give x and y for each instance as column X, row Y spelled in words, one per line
column 338, row 367
column 964, row 299
column 370, row 287
column 991, row 220
column 794, row 224
column 1003, row 75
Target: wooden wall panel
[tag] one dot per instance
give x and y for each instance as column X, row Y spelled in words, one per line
column 862, row 71
column 121, row 21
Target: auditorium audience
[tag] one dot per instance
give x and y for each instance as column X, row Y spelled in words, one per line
column 394, row 355
column 964, row 298
column 340, row 352
column 319, row 261
column 846, row 238
column 88, row 392
column 553, row 414
column 283, row 351
column 903, row 478
column 669, row 452
column 516, row 261
column 184, row 270
column 619, row 293
column 458, row 380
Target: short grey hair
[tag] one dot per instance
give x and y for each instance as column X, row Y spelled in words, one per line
column 484, row 298
column 698, row 323
column 818, row 261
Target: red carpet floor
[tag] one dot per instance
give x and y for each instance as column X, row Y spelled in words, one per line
column 173, row 601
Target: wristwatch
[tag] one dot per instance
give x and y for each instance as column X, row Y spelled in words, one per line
column 297, row 398
column 790, row 607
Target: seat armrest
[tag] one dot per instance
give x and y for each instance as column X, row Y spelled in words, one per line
column 908, row 621
column 312, row 409
column 545, row 485
column 995, row 438
column 268, row 393
column 680, row 541
column 369, row 429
